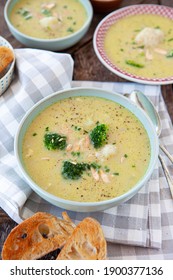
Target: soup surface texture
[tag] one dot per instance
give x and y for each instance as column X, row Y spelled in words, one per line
column 112, row 168
column 48, row 19
column 142, row 45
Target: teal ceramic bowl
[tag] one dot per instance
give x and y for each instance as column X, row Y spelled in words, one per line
column 49, row 44
column 86, row 206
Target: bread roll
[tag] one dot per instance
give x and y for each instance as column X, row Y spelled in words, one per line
column 6, row 57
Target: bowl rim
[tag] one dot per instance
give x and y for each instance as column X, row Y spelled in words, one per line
column 61, row 39
column 2, row 39
column 67, row 202
column 119, row 72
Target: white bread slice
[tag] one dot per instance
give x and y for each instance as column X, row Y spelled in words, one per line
column 87, row 242
column 37, row 236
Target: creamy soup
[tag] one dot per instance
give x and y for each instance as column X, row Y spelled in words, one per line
column 112, row 169
column 48, row 19
column 142, row 45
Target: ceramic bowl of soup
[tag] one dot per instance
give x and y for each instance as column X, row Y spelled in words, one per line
column 51, row 25
column 83, row 158
column 136, row 43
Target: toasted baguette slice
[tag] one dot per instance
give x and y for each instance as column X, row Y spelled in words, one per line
column 37, row 236
column 6, row 57
column 87, row 242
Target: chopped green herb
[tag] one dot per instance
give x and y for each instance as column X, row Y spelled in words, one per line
column 75, row 153
column 77, row 128
column 22, row 12
column 46, row 12
column 133, row 165
column 47, row 128
column 95, row 165
column 34, row 134
column 107, row 169
column 116, row 174
column 70, row 29
column 25, row 13
column 171, row 39
column 28, row 17
column 141, row 47
column 134, row 64
column 125, row 155
column 170, row 54
column 142, row 54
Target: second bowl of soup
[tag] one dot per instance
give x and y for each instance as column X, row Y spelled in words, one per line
column 86, row 149
column 136, row 43
column 51, row 25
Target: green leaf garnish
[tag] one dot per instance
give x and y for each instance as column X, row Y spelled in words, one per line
column 170, row 54
column 134, row 64
column 46, row 12
column 25, row 13
column 70, row 29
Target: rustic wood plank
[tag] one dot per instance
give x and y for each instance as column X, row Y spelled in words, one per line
column 166, row 3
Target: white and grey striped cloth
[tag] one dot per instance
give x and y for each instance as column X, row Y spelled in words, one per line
column 142, row 221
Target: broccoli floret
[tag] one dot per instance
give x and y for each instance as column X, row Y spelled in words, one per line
column 98, row 135
column 72, row 170
column 53, row 141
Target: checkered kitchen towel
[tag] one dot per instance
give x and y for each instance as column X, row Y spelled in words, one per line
column 38, row 74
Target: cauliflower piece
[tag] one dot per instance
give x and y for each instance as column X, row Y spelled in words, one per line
column 149, row 37
column 106, row 152
column 49, row 22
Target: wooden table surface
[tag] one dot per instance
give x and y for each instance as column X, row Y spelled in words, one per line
column 86, row 67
